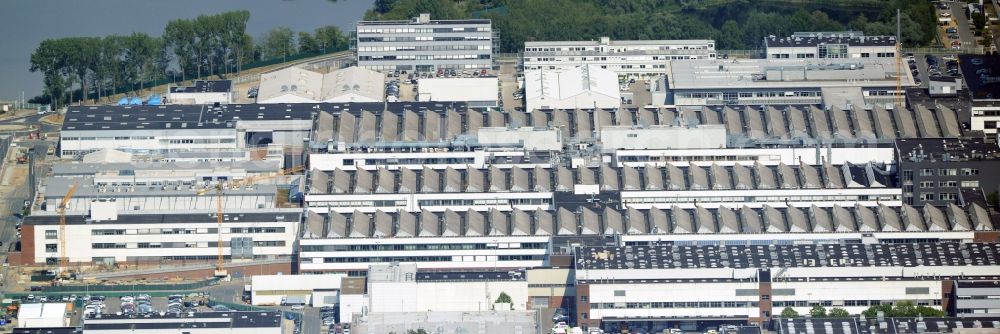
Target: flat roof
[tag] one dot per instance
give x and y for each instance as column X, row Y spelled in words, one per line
column 889, row 326
column 474, row 276
column 814, row 39
column 613, row 42
column 982, row 76
column 783, row 73
column 231, row 319
column 458, row 89
column 47, row 330
column 56, row 187
column 125, row 168
column 182, row 117
column 787, row 256
column 204, row 86
column 431, row 22
column 947, row 149
column 172, row 218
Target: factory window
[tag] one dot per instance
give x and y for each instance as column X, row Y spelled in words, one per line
column 948, row 196
column 947, row 172
column 926, row 172
column 926, row 196
column 108, row 232
column 107, row 245
column 927, row 184
column 865, row 55
column 948, row 184
column 970, row 184
column 990, row 124
column 50, row 248
column 619, row 293
column 970, row 171
column 907, row 175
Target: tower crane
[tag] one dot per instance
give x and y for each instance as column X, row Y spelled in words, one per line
column 63, row 260
column 220, row 270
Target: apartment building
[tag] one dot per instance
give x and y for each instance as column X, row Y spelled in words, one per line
column 425, row 45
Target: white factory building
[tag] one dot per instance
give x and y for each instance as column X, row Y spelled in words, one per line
column 829, row 45
column 106, row 237
column 834, row 83
column 625, row 58
column 585, row 87
column 202, row 92
column 230, row 322
column 653, row 286
column 167, row 129
column 299, row 85
column 314, row 290
column 163, row 187
column 477, row 92
column 506, row 217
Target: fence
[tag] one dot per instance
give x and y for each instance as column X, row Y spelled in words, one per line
column 164, row 289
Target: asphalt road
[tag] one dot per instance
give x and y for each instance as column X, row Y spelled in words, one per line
column 964, row 33
column 26, row 119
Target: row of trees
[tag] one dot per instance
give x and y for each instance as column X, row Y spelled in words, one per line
column 905, row 309
column 77, row 68
column 735, row 25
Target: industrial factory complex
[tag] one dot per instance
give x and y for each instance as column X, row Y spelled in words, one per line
column 604, row 186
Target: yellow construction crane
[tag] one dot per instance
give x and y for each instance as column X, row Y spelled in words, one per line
column 63, row 260
column 220, row 270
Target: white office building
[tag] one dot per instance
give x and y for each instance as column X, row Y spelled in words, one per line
column 105, row 237
column 625, row 58
column 425, row 45
column 830, row 45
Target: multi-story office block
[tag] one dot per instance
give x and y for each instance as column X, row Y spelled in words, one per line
column 425, row 45
column 626, row 58
column 935, row 171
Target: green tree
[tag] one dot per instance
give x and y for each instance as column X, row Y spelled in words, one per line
column 307, row 43
column 838, row 312
column 904, row 309
column 330, row 38
column 873, row 310
column 417, row 331
column 817, row 312
column 979, row 21
column 789, row 312
column 277, row 43
column 928, row 311
column 730, row 36
column 504, row 298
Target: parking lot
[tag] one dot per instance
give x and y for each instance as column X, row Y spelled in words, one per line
column 958, row 32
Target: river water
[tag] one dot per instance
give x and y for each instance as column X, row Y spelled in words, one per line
column 25, row 23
